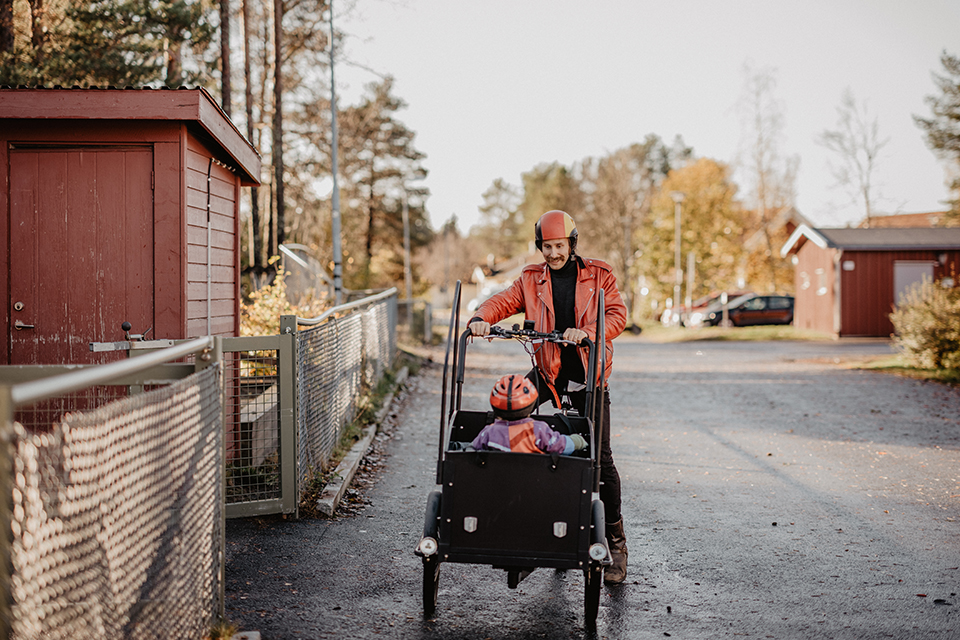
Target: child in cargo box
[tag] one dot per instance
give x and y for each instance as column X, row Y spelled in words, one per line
column 513, row 399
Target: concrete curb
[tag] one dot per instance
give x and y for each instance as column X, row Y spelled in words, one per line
column 333, row 492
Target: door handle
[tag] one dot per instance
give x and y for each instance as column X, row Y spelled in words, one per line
column 19, row 325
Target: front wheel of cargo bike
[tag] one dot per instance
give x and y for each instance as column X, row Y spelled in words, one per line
column 592, row 581
column 431, row 585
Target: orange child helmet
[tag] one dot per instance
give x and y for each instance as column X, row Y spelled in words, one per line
column 554, row 225
column 513, row 397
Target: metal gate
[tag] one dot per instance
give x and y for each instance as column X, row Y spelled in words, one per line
column 260, row 404
column 289, row 396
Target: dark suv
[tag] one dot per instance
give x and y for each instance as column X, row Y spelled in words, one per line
column 754, row 309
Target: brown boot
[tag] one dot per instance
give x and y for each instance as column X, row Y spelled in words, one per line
column 616, row 572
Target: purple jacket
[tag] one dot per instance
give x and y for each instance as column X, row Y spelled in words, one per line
column 524, row 436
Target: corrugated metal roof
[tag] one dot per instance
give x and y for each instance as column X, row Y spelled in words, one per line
column 892, row 238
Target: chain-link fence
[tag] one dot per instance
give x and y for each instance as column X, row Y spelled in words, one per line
column 114, row 488
column 336, row 360
column 116, row 513
column 41, row 416
column 289, row 397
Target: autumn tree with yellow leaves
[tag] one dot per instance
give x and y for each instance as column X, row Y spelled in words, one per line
column 712, row 227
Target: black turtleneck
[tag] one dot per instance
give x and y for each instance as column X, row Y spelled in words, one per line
column 564, row 284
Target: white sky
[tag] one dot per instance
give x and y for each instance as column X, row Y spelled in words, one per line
column 495, row 87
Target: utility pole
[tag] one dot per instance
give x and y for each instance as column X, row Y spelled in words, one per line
column 277, row 150
column 335, row 200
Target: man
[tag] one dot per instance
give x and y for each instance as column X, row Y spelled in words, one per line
column 561, row 294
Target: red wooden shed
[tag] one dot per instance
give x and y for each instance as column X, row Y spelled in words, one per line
column 849, row 280
column 119, row 205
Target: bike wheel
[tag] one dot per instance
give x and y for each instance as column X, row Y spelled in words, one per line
column 592, row 581
column 431, row 585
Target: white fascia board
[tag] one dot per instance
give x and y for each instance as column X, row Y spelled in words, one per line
column 803, row 231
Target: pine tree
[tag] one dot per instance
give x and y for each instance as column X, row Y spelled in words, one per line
column 550, row 186
column 6, row 26
column 502, row 231
column 943, row 129
column 107, row 43
column 378, row 163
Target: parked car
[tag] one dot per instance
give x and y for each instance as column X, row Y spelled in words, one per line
column 752, row 309
column 700, row 308
column 712, row 314
column 692, row 317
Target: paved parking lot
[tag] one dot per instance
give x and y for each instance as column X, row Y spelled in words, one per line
column 768, row 492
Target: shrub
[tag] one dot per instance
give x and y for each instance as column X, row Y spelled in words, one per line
column 260, row 316
column 927, row 325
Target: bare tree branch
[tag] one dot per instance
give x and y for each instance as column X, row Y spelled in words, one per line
column 856, row 146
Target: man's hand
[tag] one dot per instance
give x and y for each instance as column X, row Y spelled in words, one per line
column 479, row 328
column 574, row 335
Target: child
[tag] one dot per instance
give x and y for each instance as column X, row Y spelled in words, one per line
column 513, row 399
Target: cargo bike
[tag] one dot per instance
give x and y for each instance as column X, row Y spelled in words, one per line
column 516, row 511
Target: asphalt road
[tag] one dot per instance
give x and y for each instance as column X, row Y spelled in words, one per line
column 769, row 492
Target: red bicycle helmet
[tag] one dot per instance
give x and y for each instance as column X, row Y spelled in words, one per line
column 513, row 397
column 554, row 225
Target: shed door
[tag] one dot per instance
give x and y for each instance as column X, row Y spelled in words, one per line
column 906, row 273
column 81, row 250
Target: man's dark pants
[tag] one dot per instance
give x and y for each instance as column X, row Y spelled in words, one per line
column 609, row 476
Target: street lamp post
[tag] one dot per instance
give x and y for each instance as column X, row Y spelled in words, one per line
column 678, row 273
column 627, row 263
column 407, row 277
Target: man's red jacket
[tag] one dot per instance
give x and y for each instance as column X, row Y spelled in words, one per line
column 532, row 293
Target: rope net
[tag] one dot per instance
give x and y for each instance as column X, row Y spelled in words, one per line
column 116, row 518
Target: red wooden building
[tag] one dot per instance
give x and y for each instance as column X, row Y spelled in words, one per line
column 849, row 280
column 118, row 205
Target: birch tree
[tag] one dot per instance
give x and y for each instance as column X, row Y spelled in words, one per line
column 770, row 175
column 856, row 145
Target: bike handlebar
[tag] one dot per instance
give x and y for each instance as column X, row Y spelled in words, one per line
column 516, row 333
column 497, row 331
